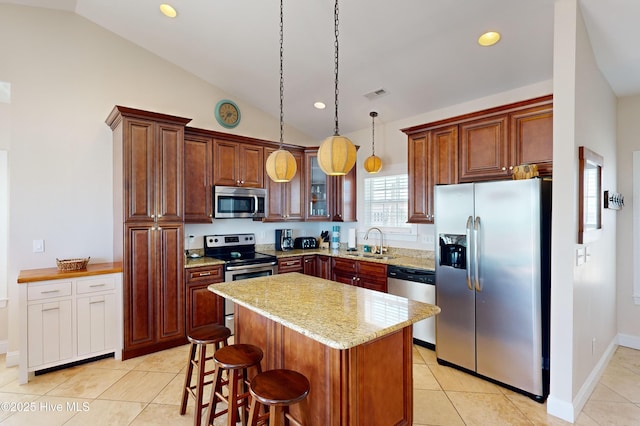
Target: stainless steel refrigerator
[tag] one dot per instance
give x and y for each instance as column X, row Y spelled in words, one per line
column 493, row 280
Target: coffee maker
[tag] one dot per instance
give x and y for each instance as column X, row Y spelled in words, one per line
column 284, row 239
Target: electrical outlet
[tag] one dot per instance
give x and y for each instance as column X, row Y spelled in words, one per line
column 38, row 246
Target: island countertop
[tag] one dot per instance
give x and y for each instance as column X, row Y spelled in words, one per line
column 337, row 315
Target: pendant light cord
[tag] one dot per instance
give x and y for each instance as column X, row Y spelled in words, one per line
column 373, row 115
column 281, row 77
column 335, row 15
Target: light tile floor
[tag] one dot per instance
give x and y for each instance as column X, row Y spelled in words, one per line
column 147, row 390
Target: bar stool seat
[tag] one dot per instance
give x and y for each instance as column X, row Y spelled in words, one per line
column 216, row 335
column 278, row 389
column 236, row 360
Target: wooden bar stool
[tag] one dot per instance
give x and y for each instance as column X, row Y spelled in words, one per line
column 216, row 335
column 278, row 389
column 236, row 360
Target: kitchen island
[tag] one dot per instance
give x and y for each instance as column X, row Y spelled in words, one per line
column 353, row 344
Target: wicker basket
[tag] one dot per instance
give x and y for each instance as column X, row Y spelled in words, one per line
column 72, row 264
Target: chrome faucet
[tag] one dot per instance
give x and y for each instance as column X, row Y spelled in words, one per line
column 366, row 237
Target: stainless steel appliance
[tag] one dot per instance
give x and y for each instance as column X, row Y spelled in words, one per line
column 233, row 202
column 241, row 261
column 305, row 243
column 416, row 284
column 284, row 239
column 493, row 281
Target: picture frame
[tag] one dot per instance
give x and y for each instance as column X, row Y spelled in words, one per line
column 589, row 195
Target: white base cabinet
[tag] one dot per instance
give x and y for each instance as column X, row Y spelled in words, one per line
column 69, row 320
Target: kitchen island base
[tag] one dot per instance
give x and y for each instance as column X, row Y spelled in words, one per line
column 367, row 384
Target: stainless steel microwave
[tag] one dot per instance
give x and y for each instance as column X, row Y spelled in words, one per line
column 233, row 202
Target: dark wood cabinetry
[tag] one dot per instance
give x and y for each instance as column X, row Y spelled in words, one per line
column 370, row 275
column 323, row 267
column 203, row 307
column 310, row 266
column 286, row 199
column 238, row 164
column 328, row 198
column 433, row 159
column 484, row 145
column 290, row 264
column 148, row 227
column 198, row 177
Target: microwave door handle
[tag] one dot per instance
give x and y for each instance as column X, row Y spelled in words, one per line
column 255, row 205
column 468, row 258
column 476, row 254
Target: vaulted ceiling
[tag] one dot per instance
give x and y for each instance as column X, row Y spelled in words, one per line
column 422, row 54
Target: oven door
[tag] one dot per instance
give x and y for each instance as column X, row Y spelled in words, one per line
column 243, row 272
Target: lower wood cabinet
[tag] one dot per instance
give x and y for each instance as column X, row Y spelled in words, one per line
column 323, row 267
column 370, row 275
column 203, row 307
column 69, row 320
column 290, row 264
column 310, row 266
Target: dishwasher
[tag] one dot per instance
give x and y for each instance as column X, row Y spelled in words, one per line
column 416, row 284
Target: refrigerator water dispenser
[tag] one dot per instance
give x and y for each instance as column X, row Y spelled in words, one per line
column 453, row 250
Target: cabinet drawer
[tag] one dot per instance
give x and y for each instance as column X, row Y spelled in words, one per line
column 373, row 269
column 206, row 274
column 95, row 284
column 290, row 264
column 344, row 265
column 48, row 290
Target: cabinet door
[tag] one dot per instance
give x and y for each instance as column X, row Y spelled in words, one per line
column 169, row 172
column 294, row 190
column 225, row 160
column 323, row 267
column 442, row 163
column 49, row 329
column 198, row 179
column 484, row 149
column 532, row 137
column 96, row 316
column 139, row 170
column 343, row 197
column 344, row 271
column 419, row 203
column 317, row 189
column 203, row 307
column 170, row 273
column 251, row 166
column 309, row 265
column 372, row 276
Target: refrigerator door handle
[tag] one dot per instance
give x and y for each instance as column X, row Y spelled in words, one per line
column 476, row 254
column 468, row 258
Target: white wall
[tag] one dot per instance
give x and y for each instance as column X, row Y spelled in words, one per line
column 583, row 308
column 628, row 141
column 66, row 75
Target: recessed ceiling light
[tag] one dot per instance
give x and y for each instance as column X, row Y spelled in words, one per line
column 489, row 38
column 319, row 105
column 168, row 11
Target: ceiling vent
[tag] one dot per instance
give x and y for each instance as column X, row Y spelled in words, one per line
column 376, row 94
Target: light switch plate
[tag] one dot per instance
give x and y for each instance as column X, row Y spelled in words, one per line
column 38, row 246
column 580, row 256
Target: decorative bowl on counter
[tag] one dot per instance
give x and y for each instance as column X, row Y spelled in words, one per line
column 72, row 264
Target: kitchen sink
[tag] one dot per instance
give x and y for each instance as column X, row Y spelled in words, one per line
column 370, row 256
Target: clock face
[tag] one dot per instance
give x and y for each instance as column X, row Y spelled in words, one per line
column 227, row 114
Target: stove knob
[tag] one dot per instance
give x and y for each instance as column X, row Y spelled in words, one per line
column 215, row 240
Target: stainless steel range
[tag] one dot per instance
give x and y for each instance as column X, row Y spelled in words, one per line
column 241, row 261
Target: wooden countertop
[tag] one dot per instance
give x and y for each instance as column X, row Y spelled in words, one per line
column 45, row 274
column 337, row 315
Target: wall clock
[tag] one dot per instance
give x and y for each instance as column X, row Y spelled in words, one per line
column 227, row 113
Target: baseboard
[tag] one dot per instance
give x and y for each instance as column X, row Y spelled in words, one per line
column 4, row 346
column 13, row 359
column 568, row 411
column 629, row 341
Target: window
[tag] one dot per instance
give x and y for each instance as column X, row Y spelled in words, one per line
column 385, row 202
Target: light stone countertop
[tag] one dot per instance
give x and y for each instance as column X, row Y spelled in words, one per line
column 337, row 315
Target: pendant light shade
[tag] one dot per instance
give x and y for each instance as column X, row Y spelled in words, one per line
column 281, row 166
column 373, row 164
column 337, row 154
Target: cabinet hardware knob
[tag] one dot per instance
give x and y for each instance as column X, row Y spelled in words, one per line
column 504, row 168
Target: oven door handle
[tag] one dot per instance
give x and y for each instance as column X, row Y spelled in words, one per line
column 261, row 265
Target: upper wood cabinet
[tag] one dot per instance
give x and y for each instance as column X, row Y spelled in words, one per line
column 328, row 198
column 532, row 137
column 198, row 177
column 286, row 199
column 484, row 149
column 433, row 159
column 238, row 164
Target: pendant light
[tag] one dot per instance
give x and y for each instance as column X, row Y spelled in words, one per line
column 373, row 164
column 281, row 165
column 337, row 154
